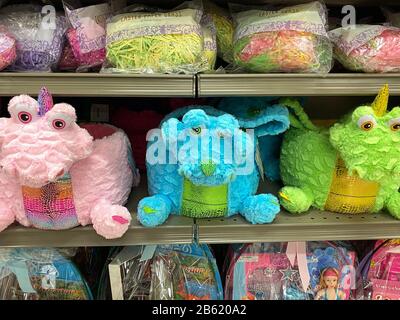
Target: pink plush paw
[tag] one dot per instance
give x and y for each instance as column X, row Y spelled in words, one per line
column 6, row 218
column 110, row 221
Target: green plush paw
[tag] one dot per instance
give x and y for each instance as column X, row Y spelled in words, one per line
column 295, row 200
column 393, row 205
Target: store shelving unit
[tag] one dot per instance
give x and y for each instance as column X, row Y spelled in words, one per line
column 175, row 230
column 344, row 84
column 98, row 85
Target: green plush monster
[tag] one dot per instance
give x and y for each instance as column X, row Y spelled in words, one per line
column 354, row 167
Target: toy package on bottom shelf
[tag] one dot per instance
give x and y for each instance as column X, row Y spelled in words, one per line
column 381, row 271
column 165, row 272
column 40, row 274
column 292, row 271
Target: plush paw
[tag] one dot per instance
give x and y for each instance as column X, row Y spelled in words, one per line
column 110, row 221
column 295, row 200
column 393, row 205
column 261, row 208
column 153, row 211
column 6, row 218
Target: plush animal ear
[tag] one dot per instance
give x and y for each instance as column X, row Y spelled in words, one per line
column 23, row 108
column 228, row 121
column 195, row 118
column 65, row 109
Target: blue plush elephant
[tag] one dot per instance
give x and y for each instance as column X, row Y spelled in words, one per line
column 203, row 166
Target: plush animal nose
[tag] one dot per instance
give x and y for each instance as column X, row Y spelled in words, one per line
column 208, row 168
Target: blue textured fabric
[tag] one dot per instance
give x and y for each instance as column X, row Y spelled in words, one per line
column 166, row 180
column 269, row 119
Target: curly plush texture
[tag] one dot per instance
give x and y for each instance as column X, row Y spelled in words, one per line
column 310, row 158
column 201, row 187
column 37, row 150
column 269, row 118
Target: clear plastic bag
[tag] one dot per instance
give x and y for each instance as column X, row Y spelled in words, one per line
column 367, row 48
column 224, row 29
column 67, row 61
column 172, row 272
column 380, row 270
column 39, row 45
column 8, row 50
column 149, row 40
column 40, row 274
column 292, row 39
column 87, row 35
column 292, row 271
column 210, row 41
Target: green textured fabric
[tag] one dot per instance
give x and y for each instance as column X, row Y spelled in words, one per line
column 204, row 201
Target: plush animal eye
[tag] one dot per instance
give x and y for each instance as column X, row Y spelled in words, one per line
column 366, row 123
column 59, row 121
column 24, row 117
column 394, row 124
column 59, row 124
column 196, row 130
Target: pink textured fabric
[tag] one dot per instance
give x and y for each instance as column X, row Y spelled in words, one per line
column 35, row 151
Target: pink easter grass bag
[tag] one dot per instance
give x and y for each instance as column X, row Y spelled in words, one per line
column 381, row 271
column 56, row 175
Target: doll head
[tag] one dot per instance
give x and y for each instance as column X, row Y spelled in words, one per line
column 329, row 278
column 369, row 140
column 40, row 142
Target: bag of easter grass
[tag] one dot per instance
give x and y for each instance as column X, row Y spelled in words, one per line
column 87, row 33
column 367, row 48
column 210, row 41
column 224, row 29
column 143, row 39
column 39, row 44
column 292, row 39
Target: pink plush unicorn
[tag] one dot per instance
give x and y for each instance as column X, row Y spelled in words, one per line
column 57, row 175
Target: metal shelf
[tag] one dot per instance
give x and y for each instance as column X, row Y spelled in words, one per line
column 313, row 226
column 175, row 230
column 98, row 84
column 343, row 84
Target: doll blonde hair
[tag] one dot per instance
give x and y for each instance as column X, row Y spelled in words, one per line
column 327, row 272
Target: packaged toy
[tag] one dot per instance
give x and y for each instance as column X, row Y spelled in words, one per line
column 381, row 271
column 40, row 274
column 292, row 271
column 87, row 35
column 8, row 50
column 351, row 168
column 165, row 272
column 224, row 29
column 292, row 39
column 367, row 48
column 39, row 45
column 150, row 40
column 203, row 166
column 56, row 175
column 269, row 119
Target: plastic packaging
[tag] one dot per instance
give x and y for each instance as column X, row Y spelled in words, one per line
column 67, row 61
column 292, row 271
column 168, row 272
column 39, row 44
column 148, row 40
column 87, row 35
column 210, row 41
column 40, row 274
column 367, row 48
column 293, row 39
column 381, row 271
column 8, row 50
column 224, row 29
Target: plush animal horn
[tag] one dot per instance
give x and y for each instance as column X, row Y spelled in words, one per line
column 381, row 101
column 45, row 101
